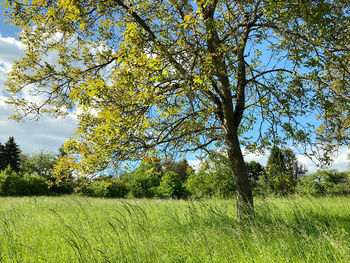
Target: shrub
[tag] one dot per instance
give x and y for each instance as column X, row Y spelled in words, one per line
column 329, row 182
column 143, row 182
column 13, row 184
column 110, row 187
column 171, row 186
column 35, row 185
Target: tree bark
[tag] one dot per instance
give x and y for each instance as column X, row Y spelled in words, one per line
column 244, row 197
column 245, row 207
column 231, row 122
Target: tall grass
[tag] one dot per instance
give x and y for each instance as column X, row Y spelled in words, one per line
column 78, row 229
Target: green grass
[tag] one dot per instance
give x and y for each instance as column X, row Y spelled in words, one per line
column 78, row 229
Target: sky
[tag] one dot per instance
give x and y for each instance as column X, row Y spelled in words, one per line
column 48, row 134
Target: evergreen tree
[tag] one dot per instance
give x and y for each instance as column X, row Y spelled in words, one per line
column 2, row 158
column 12, row 155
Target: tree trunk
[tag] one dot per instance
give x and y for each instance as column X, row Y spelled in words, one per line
column 230, row 116
column 244, row 197
column 231, row 121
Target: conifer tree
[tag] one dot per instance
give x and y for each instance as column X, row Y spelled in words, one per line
column 2, row 157
column 12, row 154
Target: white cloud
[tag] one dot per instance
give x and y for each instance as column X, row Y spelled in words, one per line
column 340, row 160
column 10, row 50
column 195, row 164
column 260, row 158
column 47, row 134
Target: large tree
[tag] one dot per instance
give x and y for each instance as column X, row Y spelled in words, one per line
column 178, row 75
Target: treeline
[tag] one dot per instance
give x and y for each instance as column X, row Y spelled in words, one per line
column 24, row 174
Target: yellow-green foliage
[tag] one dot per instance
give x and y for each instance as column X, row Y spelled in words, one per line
column 182, row 74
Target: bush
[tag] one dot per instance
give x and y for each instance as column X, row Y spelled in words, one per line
column 13, row 184
column 329, row 182
column 35, row 185
column 143, row 182
column 171, row 186
column 110, row 187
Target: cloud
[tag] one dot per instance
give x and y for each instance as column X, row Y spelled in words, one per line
column 10, row 50
column 260, row 158
column 195, row 164
column 340, row 160
column 47, row 134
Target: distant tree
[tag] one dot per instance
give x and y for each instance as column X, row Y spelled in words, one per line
column 106, row 186
column 182, row 168
column 11, row 183
column 171, row 186
column 2, row 157
column 326, row 182
column 283, row 171
column 143, row 182
column 297, row 170
column 40, row 164
column 213, row 179
column 254, row 170
column 12, row 155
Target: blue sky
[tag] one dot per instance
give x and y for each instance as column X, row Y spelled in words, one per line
column 48, row 134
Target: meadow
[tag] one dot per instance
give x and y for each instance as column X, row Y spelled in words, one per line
column 82, row 229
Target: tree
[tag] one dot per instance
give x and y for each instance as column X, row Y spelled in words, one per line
column 283, row 171
column 144, row 181
column 213, row 178
column 171, row 186
column 182, row 168
column 154, row 77
column 2, row 158
column 255, row 170
column 325, row 182
column 40, row 164
column 12, row 155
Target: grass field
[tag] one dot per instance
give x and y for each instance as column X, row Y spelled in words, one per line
column 78, row 229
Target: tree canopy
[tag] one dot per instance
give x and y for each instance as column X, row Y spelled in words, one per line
column 168, row 76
